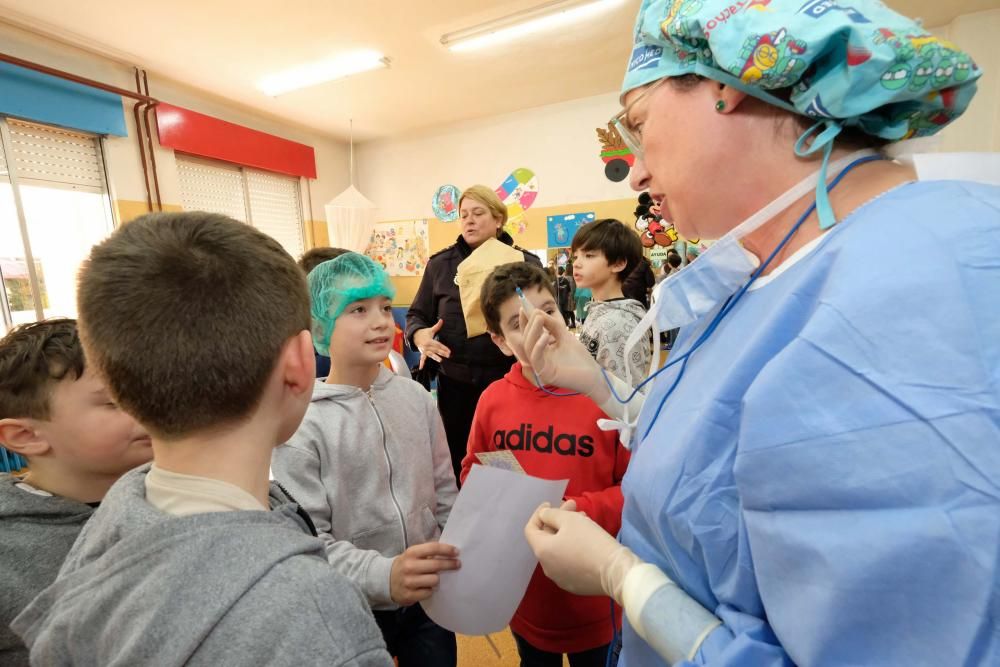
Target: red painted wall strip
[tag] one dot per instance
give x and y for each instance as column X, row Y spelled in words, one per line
column 191, row 132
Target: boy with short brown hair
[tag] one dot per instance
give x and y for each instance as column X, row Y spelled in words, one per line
column 605, row 252
column 553, row 434
column 57, row 414
column 201, row 326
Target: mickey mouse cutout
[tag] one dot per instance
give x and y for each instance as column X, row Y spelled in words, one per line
column 652, row 229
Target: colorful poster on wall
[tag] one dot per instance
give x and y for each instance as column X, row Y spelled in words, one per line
column 561, row 228
column 401, row 247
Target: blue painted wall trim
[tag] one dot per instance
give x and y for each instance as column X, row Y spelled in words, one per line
column 47, row 99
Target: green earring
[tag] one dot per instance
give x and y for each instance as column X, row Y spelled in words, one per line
column 720, row 106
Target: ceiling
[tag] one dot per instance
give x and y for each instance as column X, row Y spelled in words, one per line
column 224, row 46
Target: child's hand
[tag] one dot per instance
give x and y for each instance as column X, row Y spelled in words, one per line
column 414, row 574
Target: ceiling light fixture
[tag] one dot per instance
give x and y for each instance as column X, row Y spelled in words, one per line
column 321, row 71
column 526, row 22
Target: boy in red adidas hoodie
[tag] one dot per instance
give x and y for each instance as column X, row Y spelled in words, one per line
column 552, row 437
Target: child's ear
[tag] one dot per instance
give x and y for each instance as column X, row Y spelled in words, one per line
column 618, row 266
column 21, row 436
column 501, row 342
column 299, row 363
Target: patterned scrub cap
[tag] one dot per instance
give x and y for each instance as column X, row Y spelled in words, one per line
column 855, row 63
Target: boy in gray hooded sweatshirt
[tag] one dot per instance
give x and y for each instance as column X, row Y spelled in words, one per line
column 200, row 325
column 371, row 464
column 56, row 412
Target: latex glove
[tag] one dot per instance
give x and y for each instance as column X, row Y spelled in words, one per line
column 558, row 357
column 577, row 554
column 428, row 345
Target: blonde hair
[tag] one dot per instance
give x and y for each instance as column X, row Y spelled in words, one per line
column 488, row 198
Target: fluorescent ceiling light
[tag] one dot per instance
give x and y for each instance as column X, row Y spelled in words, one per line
column 537, row 19
column 321, row 71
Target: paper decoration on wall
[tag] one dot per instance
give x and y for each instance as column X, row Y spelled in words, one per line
column 653, row 229
column 657, row 256
column 445, row 203
column 400, row 247
column 561, row 228
column 618, row 159
column 562, row 257
column 518, row 192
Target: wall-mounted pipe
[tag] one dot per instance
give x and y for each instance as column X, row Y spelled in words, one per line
column 142, row 150
column 149, row 140
column 27, row 64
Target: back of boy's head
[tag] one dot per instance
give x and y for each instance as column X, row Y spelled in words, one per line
column 502, row 284
column 562, row 270
column 186, row 314
column 33, row 358
column 615, row 240
column 336, row 284
column 313, row 258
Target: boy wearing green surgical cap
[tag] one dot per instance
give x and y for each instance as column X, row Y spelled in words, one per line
column 370, row 462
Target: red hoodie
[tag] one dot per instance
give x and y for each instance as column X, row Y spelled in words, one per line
column 563, row 441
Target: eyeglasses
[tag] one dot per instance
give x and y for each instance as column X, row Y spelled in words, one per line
column 633, row 137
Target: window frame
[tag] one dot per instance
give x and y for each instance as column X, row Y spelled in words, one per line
column 16, row 181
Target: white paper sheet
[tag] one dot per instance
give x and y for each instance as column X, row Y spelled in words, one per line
column 487, row 525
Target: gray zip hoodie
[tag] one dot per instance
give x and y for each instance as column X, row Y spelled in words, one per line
column 37, row 533
column 374, row 472
column 604, row 332
column 141, row 587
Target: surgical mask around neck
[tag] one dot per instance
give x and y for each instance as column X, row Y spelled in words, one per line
column 698, row 288
column 703, row 285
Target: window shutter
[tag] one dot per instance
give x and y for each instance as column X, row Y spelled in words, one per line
column 267, row 201
column 274, row 208
column 53, row 156
column 215, row 188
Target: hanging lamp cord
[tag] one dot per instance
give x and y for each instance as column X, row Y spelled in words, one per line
column 352, row 151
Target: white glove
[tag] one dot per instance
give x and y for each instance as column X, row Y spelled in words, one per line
column 577, row 554
column 558, row 358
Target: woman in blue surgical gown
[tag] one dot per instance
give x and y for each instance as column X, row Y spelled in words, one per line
column 815, row 476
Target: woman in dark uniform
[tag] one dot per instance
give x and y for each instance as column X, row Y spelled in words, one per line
column 435, row 324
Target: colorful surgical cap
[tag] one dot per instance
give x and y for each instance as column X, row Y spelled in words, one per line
column 853, row 62
column 339, row 282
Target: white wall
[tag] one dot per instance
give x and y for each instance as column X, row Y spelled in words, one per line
column 979, row 127
column 558, row 142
